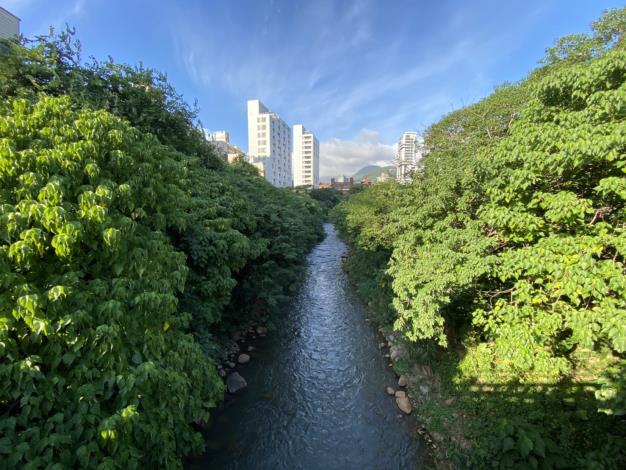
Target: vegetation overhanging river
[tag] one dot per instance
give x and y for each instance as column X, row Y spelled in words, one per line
column 316, row 388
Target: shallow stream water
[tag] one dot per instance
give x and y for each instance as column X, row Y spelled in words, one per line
column 316, row 388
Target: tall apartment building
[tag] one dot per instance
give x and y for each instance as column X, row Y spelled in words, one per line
column 9, row 24
column 306, row 158
column 270, row 144
column 409, row 152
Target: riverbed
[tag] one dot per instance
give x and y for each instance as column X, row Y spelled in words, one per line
column 316, row 388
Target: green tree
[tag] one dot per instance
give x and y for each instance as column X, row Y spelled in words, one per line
column 96, row 367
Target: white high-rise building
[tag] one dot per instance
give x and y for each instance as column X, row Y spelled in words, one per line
column 409, row 152
column 9, row 24
column 269, row 144
column 306, row 158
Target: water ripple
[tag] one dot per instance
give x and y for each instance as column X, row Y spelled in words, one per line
column 315, row 397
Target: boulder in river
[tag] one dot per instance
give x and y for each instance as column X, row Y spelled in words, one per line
column 390, row 391
column 402, row 381
column 400, row 393
column 235, row 382
column 243, row 358
column 261, row 330
column 404, row 404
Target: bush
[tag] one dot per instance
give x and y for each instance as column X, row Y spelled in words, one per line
column 96, row 366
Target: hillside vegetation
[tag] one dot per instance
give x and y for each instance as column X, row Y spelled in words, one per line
column 373, row 172
column 503, row 263
column 125, row 246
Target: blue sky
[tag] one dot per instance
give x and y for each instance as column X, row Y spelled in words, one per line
column 357, row 73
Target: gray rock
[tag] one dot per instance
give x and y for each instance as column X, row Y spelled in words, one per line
column 400, row 393
column 261, row 330
column 251, row 348
column 437, row 436
column 390, row 391
column 230, row 364
column 243, row 358
column 395, row 352
column 402, row 381
column 235, row 382
column 424, row 389
column 404, row 404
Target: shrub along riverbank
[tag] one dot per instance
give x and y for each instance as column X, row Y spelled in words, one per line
column 502, row 264
column 126, row 245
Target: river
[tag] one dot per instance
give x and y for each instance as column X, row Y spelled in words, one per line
column 316, row 388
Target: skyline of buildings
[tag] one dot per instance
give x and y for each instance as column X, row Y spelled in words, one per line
column 290, row 157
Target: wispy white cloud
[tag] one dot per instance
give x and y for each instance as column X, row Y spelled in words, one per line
column 322, row 63
column 347, row 156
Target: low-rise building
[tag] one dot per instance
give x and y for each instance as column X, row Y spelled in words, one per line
column 221, row 141
column 384, row 177
column 342, row 183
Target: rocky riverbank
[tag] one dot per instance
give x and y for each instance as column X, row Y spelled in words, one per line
column 315, row 386
column 418, row 391
column 237, row 350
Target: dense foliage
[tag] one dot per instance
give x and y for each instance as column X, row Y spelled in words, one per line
column 326, row 197
column 508, row 249
column 126, row 245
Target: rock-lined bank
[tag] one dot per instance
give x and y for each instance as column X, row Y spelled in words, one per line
column 419, row 391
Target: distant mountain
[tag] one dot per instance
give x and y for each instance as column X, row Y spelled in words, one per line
column 373, row 172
